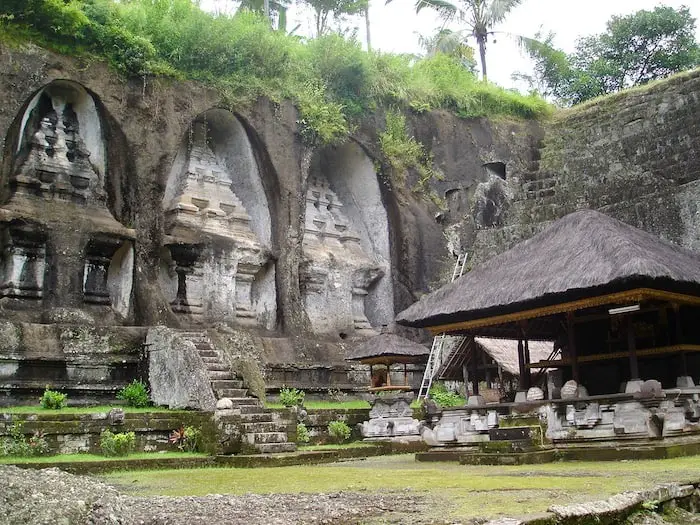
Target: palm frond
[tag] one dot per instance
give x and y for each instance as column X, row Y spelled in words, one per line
column 498, row 9
column 444, row 8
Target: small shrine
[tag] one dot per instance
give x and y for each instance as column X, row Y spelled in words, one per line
column 391, row 414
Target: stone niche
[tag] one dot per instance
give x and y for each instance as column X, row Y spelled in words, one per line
column 55, row 222
column 346, row 246
column 216, row 262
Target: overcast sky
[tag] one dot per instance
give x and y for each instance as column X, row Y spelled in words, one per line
column 395, row 27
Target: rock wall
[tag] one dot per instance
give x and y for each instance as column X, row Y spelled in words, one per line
column 634, row 156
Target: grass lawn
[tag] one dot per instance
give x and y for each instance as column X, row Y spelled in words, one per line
column 335, row 446
column 35, row 409
column 458, row 492
column 96, row 457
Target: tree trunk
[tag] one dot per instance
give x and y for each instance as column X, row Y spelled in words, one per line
column 369, row 40
column 481, row 40
column 266, row 9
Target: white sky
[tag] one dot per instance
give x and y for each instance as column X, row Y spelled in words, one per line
column 395, row 27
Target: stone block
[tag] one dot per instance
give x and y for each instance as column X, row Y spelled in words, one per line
column 492, row 418
column 476, row 401
column 685, row 382
column 634, row 386
column 521, row 397
column 674, row 421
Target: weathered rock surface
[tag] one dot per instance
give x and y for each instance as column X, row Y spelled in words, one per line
column 176, row 372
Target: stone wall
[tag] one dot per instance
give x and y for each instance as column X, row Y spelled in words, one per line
column 634, row 156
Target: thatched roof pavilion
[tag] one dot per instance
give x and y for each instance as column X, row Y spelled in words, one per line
column 583, row 259
column 389, row 349
column 604, row 291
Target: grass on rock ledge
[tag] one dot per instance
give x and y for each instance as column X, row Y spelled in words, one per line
column 457, row 492
column 327, row 405
column 33, row 409
column 79, row 458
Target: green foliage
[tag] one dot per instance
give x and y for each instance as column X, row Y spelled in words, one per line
column 443, row 397
column 135, row 394
column 404, row 153
column 339, row 431
column 302, row 433
column 18, row 445
column 186, row 438
column 119, row 444
column 335, row 9
column 53, row 400
column 634, row 50
column 331, row 79
column 291, row 397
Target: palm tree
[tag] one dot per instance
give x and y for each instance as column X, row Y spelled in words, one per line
column 479, row 16
column 268, row 8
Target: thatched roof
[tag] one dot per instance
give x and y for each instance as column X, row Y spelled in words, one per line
column 505, row 352
column 584, row 254
column 389, row 347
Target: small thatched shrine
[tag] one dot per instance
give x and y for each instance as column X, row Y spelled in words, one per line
column 621, row 305
column 391, row 415
column 491, row 362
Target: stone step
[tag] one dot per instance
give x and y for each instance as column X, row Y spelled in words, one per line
column 264, row 426
column 256, row 417
column 217, row 367
column 203, row 345
column 266, row 437
column 210, row 359
column 232, row 392
column 275, row 448
column 208, row 353
column 220, row 375
column 222, row 384
column 245, row 401
column 253, row 409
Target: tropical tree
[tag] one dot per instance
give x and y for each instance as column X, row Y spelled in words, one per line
column 325, row 10
column 272, row 9
column 634, row 49
column 477, row 16
column 449, row 43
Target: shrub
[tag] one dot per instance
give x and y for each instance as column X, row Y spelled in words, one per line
column 339, row 431
column 187, row 439
column 135, row 394
column 443, row 397
column 120, row 444
column 302, row 433
column 53, row 400
column 18, row 445
column 291, row 397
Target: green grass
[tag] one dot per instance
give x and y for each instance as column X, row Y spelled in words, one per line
column 35, row 409
column 327, row 405
column 77, row 458
column 332, row 446
column 458, row 492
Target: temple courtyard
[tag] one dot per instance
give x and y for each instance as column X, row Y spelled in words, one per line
column 385, row 489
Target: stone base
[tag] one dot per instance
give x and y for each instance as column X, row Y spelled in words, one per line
column 387, row 427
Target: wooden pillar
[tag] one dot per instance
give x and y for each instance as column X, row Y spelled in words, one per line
column 632, row 348
column 573, row 355
column 388, row 375
column 678, row 338
column 475, row 371
column 526, row 352
column 487, row 370
column 521, row 365
column 465, row 378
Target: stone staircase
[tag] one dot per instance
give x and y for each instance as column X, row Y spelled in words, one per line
column 261, row 431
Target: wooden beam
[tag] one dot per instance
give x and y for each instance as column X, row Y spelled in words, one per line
column 630, row 296
column 521, row 365
column 570, row 329
column 646, row 352
column 632, row 349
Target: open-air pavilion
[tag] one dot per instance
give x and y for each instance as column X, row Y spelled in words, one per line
column 619, row 303
column 622, row 307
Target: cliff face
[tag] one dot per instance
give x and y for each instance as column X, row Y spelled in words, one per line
column 150, row 201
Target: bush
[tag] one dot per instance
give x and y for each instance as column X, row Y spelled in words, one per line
column 187, row 439
column 339, row 431
column 443, row 397
column 120, row 444
column 18, row 445
column 302, row 433
column 135, row 394
column 291, row 397
column 53, row 400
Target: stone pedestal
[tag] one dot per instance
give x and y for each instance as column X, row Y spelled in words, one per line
column 98, row 256
column 245, row 275
column 188, row 298
column 391, row 416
